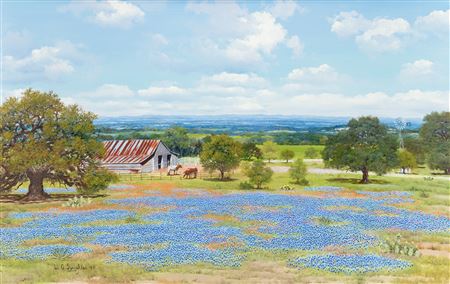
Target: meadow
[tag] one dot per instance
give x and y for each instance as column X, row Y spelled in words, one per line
column 395, row 229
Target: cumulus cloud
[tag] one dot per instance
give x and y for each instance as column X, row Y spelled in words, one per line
column 245, row 38
column 436, row 22
column 417, row 69
column 314, row 79
column 284, row 9
column 379, row 34
column 110, row 13
column 296, row 45
column 248, row 93
column 51, row 62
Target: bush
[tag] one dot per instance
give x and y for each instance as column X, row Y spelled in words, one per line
column 258, row 173
column 298, row 172
column 311, row 153
column 245, row 185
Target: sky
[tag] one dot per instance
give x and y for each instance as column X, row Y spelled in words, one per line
column 324, row 58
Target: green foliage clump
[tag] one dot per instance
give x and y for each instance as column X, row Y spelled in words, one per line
column 258, row 173
column 406, row 160
column 435, row 134
column 398, row 247
column 250, row 151
column 245, row 185
column 269, row 150
column 298, row 171
column 365, row 146
column 221, row 153
column 287, row 155
column 311, row 153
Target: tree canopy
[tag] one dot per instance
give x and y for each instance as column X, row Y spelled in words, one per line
column 406, row 160
column 258, row 173
column 269, row 150
column 43, row 139
column 364, row 146
column 287, row 154
column 298, row 171
column 221, row 153
column 435, row 134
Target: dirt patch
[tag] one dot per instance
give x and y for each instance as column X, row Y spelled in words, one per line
column 434, row 249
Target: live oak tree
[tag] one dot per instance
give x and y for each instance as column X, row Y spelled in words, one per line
column 364, row 146
column 42, row 139
column 435, row 135
column 221, row 153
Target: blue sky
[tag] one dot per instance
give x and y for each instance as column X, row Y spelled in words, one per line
column 323, row 58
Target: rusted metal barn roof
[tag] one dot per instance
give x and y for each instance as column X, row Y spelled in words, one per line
column 136, row 151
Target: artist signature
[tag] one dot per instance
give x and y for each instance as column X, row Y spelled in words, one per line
column 70, row 267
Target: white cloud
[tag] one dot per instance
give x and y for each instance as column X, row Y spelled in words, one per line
column 47, row 62
column 349, row 24
column 436, row 22
column 226, row 78
column 322, row 78
column 112, row 13
column 383, row 34
column 265, row 34
column 296, row 45
column 417, row 69
column 379, row 34
column 163, row 92
column 284, row 9
column 244, row 38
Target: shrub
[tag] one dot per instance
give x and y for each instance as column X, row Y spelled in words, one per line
column 311, row 153
column 258, row 173
column 245, row 185
column 298, row 172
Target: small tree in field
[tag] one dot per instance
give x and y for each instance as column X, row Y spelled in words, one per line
column 406, row 160
column 287, row 155
column 258, row 173
column 311, row 153
column 298, row 171
column 221, row 153
column 365, row 145
column 250, row 151
column 269, row 150
column 44, row 140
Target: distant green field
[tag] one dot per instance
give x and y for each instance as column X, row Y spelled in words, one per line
column 299, row 150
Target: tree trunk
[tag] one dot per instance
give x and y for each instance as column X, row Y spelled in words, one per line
column 365, row 177
column 36, row 187
column 222, row 174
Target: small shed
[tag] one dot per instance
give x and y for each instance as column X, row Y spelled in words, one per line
column 137, row 156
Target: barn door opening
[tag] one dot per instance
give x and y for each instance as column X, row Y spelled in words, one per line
column 159, row 161
column 169, row 157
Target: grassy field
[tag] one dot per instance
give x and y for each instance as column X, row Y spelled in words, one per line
column 429, row 197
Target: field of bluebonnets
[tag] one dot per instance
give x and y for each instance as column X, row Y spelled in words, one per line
column 161, row 231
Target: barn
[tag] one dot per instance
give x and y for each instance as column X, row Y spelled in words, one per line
column 137, row 156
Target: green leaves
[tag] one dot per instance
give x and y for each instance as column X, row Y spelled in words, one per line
column 365, row 145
